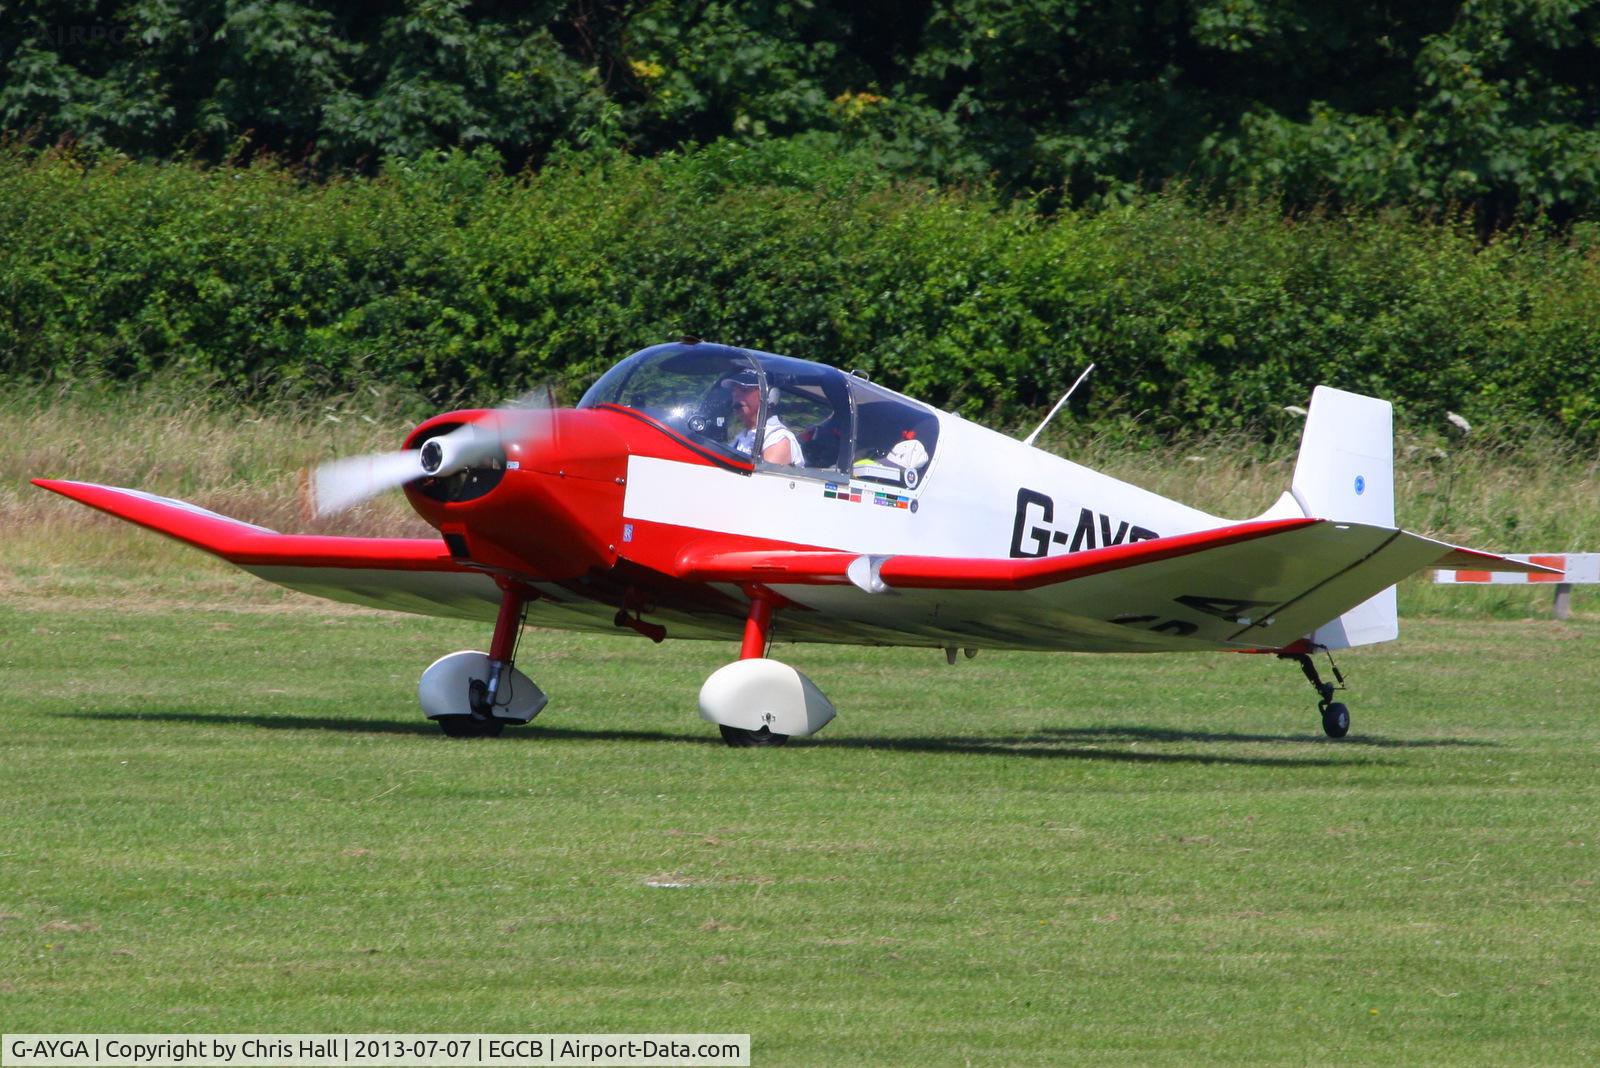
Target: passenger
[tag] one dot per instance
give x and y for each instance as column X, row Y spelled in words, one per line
column 779, row 446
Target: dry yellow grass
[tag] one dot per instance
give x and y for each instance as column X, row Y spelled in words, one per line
column 1511, row 496
column 243, row 462
column 1532, row 495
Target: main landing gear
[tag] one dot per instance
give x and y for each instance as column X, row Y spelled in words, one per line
column 759, row 702
column 475, row 695
column 741, row 738
column 1335, row 716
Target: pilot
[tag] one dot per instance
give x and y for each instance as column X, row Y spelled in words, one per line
column 779, row 446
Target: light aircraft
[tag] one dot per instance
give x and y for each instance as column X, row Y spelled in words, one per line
column 701, row 490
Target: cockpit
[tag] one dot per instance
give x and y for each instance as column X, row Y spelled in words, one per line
column 737, row 404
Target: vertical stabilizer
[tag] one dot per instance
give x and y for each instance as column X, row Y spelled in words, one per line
column 1346, row 472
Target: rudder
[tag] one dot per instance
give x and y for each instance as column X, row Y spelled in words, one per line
column 1345, row 472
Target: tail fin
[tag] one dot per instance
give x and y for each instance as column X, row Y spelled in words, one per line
column 1346, row 465
column 1345, row 472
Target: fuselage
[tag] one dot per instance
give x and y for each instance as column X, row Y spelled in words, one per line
column 601, row 505
column 983, row 495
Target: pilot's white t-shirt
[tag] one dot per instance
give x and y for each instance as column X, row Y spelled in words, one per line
column 776, row 432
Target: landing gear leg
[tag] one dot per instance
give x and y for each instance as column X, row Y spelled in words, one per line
column 474, row 695
column 1335, row 716
column 757, row 627
column 757, row 701
column 507, row 628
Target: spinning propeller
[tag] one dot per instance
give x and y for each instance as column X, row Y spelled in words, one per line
column 339, row 485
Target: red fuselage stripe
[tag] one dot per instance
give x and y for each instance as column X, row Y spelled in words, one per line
column 812, row 567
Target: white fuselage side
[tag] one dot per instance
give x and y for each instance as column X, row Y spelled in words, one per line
column 983, row 495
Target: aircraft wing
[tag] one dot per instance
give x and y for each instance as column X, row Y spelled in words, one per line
column 1261, row 585
column 402, row 574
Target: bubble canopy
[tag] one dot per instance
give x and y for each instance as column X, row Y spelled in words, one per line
column 691, row 389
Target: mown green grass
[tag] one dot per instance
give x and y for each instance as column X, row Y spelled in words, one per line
column 223, row 812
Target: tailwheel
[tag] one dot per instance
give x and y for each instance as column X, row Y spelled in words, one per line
column 1335, row 715
column 1335, row 719
column 740, row 738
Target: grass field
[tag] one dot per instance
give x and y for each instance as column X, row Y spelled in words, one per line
column 223, row 812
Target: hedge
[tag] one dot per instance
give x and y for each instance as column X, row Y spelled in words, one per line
column 446, row 277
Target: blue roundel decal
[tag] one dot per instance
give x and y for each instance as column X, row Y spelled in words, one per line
column 1361, row 485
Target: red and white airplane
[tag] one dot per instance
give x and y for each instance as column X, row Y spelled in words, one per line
column 705, row 491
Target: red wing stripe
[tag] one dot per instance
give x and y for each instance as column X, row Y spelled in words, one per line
column 799, row 566
column 822, row 567
column 248, row 545
column 933, row 572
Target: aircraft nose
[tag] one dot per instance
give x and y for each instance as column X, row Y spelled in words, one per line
column 553, row 506
column 567, row 442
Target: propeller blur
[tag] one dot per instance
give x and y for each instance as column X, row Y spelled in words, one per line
column 339, row 485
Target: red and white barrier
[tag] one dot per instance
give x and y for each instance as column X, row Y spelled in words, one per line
column 1577, row 568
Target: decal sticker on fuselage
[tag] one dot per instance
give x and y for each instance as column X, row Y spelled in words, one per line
column 890, row 500
column 854, row 494
column 1035, row 533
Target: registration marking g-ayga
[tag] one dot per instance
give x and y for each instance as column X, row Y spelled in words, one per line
column 1033, row 535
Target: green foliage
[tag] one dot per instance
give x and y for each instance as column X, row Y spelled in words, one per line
column 1486, row 105
column 1497, row 115
column 338, row 84
column 443, row 275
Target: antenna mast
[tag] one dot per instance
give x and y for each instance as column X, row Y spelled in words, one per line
column 1064, row 397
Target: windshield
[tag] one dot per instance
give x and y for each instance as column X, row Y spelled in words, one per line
column 780, row 412
column 687, row 388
